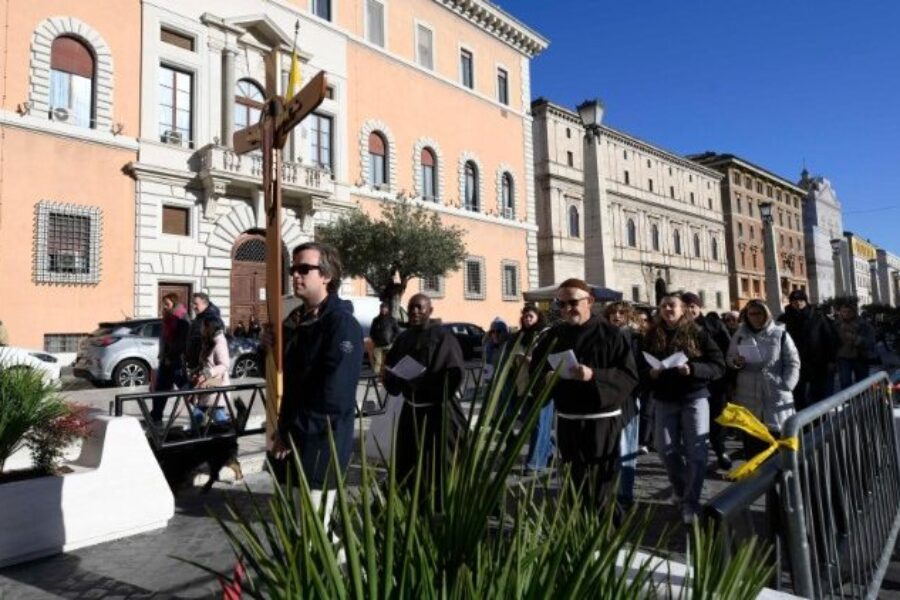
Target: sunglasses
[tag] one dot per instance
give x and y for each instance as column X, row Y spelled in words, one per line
column 303, row 269
column 570, row 303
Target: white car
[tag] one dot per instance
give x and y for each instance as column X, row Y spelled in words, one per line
column 11, row 356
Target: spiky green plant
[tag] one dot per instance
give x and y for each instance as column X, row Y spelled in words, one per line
column 26, row 400
column 487, row 539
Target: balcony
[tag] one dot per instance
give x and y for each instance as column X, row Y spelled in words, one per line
column 220, row 168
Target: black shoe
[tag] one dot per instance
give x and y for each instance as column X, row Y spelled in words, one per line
column 724, row 462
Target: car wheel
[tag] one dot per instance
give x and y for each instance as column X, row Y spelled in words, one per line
column 246, row 366
column 130, row 373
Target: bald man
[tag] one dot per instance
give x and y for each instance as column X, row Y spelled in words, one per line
column 424, row 396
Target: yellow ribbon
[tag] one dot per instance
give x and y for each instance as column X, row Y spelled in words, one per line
column 741, row 418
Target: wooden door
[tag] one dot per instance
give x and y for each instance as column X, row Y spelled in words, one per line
column 248, row 280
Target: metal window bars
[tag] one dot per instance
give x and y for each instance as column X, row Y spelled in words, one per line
column 67, row 243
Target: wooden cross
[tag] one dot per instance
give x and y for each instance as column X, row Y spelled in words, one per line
column 277, row 119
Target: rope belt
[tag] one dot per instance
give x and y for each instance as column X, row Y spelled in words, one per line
column 421, row 404
column 603, row 415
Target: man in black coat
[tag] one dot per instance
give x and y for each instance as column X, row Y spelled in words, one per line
column 203, row 309
column 424, row 395
column 322, row 362
column 589, row 396
column 816, row 338
column 383, row 332
column 716, row 330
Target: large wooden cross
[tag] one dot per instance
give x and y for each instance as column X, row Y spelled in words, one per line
column 276, row 121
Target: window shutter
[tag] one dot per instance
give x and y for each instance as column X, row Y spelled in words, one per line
column 71, row 56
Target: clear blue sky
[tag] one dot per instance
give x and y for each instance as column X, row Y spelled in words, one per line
column 774, row 81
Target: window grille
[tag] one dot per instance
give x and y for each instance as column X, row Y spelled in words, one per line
column 433, row 286
column 67, row 243
column 253, row 250
column 63, row 342
column 474, row 279
column 510, row 280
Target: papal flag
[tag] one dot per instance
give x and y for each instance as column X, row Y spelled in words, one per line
column 295, row 78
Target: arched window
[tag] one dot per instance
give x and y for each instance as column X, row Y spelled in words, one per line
column 574, row 223
column 631, row 231
column 676, row 242
column 696, row 245
column 714, row 248
column 654, row 236
column 248, row 101
column 71, row 82
column 429, row 171
column 472, row 201
column 378, row 152
column 507, row 199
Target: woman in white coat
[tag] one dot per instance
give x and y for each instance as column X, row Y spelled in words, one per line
column 768, row 369
column 215, row 362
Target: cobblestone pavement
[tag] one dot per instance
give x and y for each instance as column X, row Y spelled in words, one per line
column 144, row 566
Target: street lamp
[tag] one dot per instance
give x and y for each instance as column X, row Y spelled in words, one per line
column 837, row 245
column 591, row 113
column 598, row 251
column 773, row 279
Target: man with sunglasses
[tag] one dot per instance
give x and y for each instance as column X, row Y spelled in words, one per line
column 322, row 362
column 589, row 397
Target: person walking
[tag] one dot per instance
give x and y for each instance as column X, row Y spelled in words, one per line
column 816, row 338
column 620, row 314
column 322, row 362
column 240, row 331
column 212, row 372
column 768, row 367
column 173, row 338
column 532, row 325
column 717, row 389
column 383, row 332
column 590, row 394
column 424, row 394
column 254, row 329
column 681, row 395
column 857, row 346
column 203, row 309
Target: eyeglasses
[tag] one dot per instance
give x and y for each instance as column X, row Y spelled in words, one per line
column 570, row 303
column 304, row 269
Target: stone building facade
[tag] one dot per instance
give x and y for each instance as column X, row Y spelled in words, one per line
column 663, row 212
column 822, row 223
column 744, row 187
column 888, row 267
column 859, row 258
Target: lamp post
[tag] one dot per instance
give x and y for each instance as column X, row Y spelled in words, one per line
column 773, row 279
column 839, row 284
column 598, row 267
column 873, row 276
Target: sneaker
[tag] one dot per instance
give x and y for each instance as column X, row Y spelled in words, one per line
column 724, row 462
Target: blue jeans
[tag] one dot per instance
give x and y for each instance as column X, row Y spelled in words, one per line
column 852, row 370
column 628, row 453
column 681, row 434
column 540, row 446
column 219, row 416
column 167, row 377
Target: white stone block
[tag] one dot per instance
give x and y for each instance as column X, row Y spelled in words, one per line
column 116, row 490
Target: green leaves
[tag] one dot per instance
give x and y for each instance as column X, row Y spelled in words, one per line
column 407, row 242
column 26, row 400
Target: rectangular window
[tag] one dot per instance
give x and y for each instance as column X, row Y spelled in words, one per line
column 322, row 9
column 320, row 141
column 735, row 177
column 650, row 184
column 769, row 191
column 745, row 286
column 756, row 286
column 759, row 187
column 176, row 220
column 635, row 293
column 570, row 159
column 424, row 47
column 175, row 38
column 175, row 106
column 502, row 87
column 63, row 342
column 739, row 207
column 740, row 230
column 466, row 69
column 750, row 207
column 748, row 183
column 510, row 281
column 67, row 245
column 329, row 91
column 627, row 178
column 433, row 286
column 718, row 299
column 692, row 197
column 671, row 191
column 375, row 22
column 474, row 278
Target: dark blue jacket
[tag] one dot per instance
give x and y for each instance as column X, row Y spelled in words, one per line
column 322, row 362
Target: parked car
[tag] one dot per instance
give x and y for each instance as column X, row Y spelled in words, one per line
column 470, row 337
column 12, row 357
column 124, row 352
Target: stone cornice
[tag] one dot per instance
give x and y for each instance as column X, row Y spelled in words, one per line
column 557, row 110
column 726, row 160
column 643, row 146
column 66, row 130
column 499, row 24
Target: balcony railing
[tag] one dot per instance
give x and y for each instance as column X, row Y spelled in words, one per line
column 224, row 163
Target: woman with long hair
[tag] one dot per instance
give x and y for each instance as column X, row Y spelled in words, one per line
column 768, row 369
column 681, row 396
column 532, row 324
column 213, row 372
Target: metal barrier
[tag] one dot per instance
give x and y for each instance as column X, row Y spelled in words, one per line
column 842, row 492
column 834, row 504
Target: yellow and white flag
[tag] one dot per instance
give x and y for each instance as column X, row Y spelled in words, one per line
column 295, row 78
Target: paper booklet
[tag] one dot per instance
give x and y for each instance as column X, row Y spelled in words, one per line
column 407, row 368
column 750, row 353
column 566, row 359
column 670, row 362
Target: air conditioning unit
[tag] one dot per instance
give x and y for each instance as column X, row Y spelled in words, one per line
column 70, row 262
column 60, row 114
column 508, row 213
column 172, row 137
